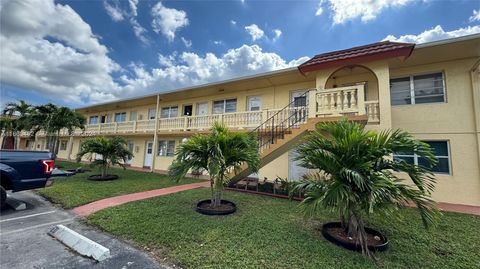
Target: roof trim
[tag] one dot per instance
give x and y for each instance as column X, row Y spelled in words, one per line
column 447, row 41
column 211, row 84
column 356, row 55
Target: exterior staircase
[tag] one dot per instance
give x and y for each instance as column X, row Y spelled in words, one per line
column 285, row 129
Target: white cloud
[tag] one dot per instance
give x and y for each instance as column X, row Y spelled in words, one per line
column 139, row 31
column 113, row 11
column 233, row 22
column 254, row 31
column 277, row 33
column 117, row 14
column 133, row 7
column 475, row 16
column 50, row 50
column 188, row 68
column 366, row 10
column 436, row 33
column 186, row 42
column 319, row 8
column 168, row 60
column 218, row 42
column 168, row 20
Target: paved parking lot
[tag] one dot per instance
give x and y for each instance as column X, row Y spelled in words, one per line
column 24, row 242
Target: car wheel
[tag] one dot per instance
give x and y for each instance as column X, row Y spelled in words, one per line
column 3, row 197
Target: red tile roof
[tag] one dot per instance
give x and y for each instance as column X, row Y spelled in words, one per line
column 356, row 55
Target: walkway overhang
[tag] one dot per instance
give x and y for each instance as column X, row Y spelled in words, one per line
column 357, row 55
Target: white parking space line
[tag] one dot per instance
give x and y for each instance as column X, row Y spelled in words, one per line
column 38, row 226
column 28, row 216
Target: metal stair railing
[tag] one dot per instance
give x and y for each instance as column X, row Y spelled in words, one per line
column 282, row 122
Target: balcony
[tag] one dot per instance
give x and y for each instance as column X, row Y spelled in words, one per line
column 346, row 101
column 329, row 102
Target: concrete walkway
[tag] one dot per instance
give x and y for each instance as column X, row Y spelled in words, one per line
column 93, row 207
column 24, row 242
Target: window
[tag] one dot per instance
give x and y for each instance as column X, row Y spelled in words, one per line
column 166, row 148
column 169, row 112
column 93, row 120
column 441, row 152
column 419, row 89
column 152, row 113
column 63, row 144
column 224, row 106
column 120, row 117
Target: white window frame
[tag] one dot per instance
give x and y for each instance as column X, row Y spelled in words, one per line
column 169, row 112
column 93, row 117
column 120, row 113
column 412, row 88
column 165, row 153
column 224, row 105
column 449, row 158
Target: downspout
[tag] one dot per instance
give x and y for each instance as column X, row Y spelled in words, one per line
column 475, row 80
column 154, row 150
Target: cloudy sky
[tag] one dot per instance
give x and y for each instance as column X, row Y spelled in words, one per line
column 77, row 53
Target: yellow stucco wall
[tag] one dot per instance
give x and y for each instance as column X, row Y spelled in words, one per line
column 453, row 121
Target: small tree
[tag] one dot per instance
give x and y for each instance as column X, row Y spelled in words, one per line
column 8, row 128
column 14, row 120
column 358, row 177
column 52, row 119
column 219, row 153
column 113, row 151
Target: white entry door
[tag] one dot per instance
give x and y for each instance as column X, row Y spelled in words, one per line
column 130, row 148
column 295, row 171
column 254, row 103
column 298, row 109
column 202, row 111
column 148, row 154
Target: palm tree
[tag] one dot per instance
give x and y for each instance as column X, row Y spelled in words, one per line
column 8, row 128
column 52, row 119
column 113, row 151
column 357, row 176
column 13, row 121
column 219, row 153
column 20, row 109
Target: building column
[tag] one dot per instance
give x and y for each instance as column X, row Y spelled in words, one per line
column 70, row 147
column 382, row 72
column 154, row 150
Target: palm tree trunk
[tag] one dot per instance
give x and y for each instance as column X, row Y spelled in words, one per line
column 57, row 144
column 217, row 191
column 104, row 170
column 356, row 230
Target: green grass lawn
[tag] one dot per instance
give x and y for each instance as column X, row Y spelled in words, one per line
column 271, row 233
column 78, row 190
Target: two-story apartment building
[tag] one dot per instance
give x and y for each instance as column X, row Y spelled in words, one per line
column 430, row 90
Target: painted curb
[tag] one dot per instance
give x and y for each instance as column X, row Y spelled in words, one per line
column 17, row 205
column 79, row 243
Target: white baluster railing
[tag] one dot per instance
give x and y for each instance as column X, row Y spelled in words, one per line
column 341, row 101
column 329, row 102
column 373, row 111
